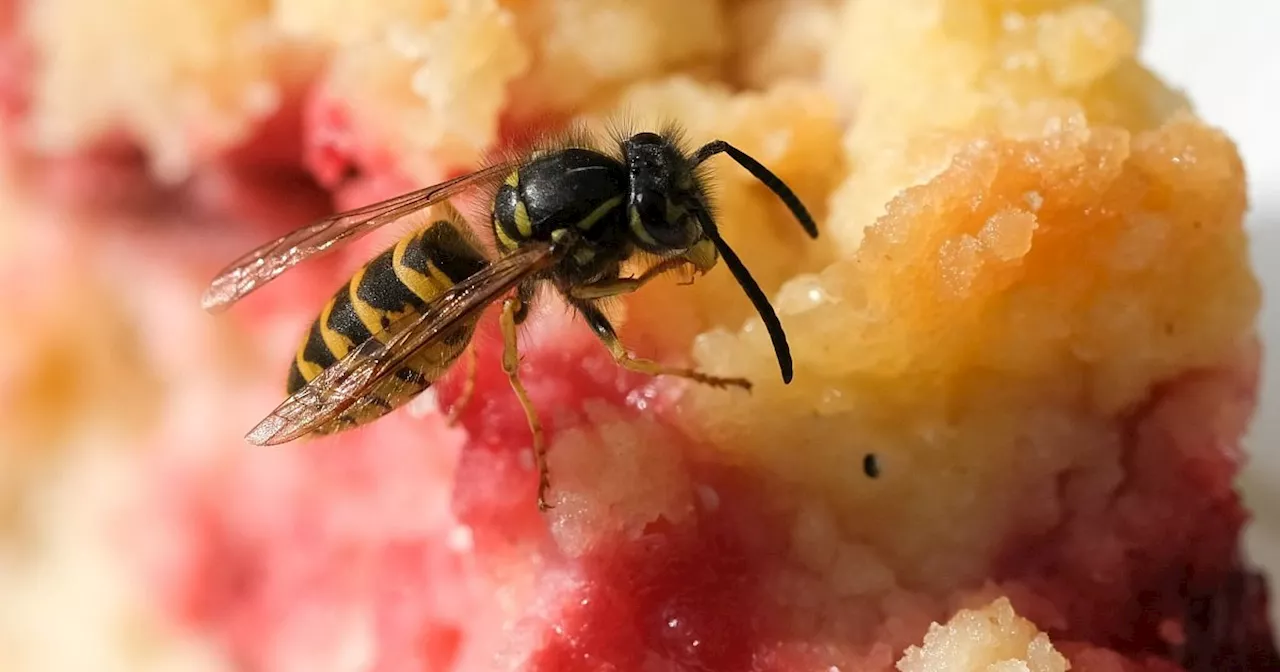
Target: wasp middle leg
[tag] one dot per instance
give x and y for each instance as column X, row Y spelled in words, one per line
column 607, row 335
column 512, row 310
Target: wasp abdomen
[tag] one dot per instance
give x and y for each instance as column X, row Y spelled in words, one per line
column 400, row 281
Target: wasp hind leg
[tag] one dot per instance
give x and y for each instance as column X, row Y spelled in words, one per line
column 512, row 310
column 468, row 388
column 605, row 332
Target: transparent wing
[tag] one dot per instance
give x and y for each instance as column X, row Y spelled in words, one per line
column 262, row 265
column 349, row 380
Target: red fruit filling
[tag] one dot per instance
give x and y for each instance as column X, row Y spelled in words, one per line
column 281, row 548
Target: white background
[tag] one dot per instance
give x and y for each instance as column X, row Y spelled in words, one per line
column 1225, row 54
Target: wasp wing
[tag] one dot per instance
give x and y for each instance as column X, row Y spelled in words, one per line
column 262, row 265
column 350, row 379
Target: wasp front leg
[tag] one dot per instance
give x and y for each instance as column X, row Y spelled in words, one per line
column 607, row 335
column 699, row 259
column 512, row 310
column 619, row 286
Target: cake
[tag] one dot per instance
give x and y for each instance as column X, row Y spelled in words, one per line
column 1025, row 348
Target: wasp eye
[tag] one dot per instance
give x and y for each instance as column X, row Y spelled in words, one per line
column 652, row 208
column 660, row 227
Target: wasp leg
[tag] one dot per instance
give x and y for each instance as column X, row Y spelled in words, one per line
column 605, row 332
column 511, row 364
column 468, row 388
column 619, row 286
column 524, row 299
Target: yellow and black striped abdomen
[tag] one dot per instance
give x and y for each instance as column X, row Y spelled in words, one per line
column 401, row 280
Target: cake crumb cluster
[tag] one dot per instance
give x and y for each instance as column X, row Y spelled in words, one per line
column 1030, row 301
column 993, row 639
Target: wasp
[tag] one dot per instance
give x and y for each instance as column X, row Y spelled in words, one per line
column 569, row 218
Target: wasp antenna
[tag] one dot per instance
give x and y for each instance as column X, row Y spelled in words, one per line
column 753, row 292
column 757, row 170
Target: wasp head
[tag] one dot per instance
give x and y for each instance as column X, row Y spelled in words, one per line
column 665, row 196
